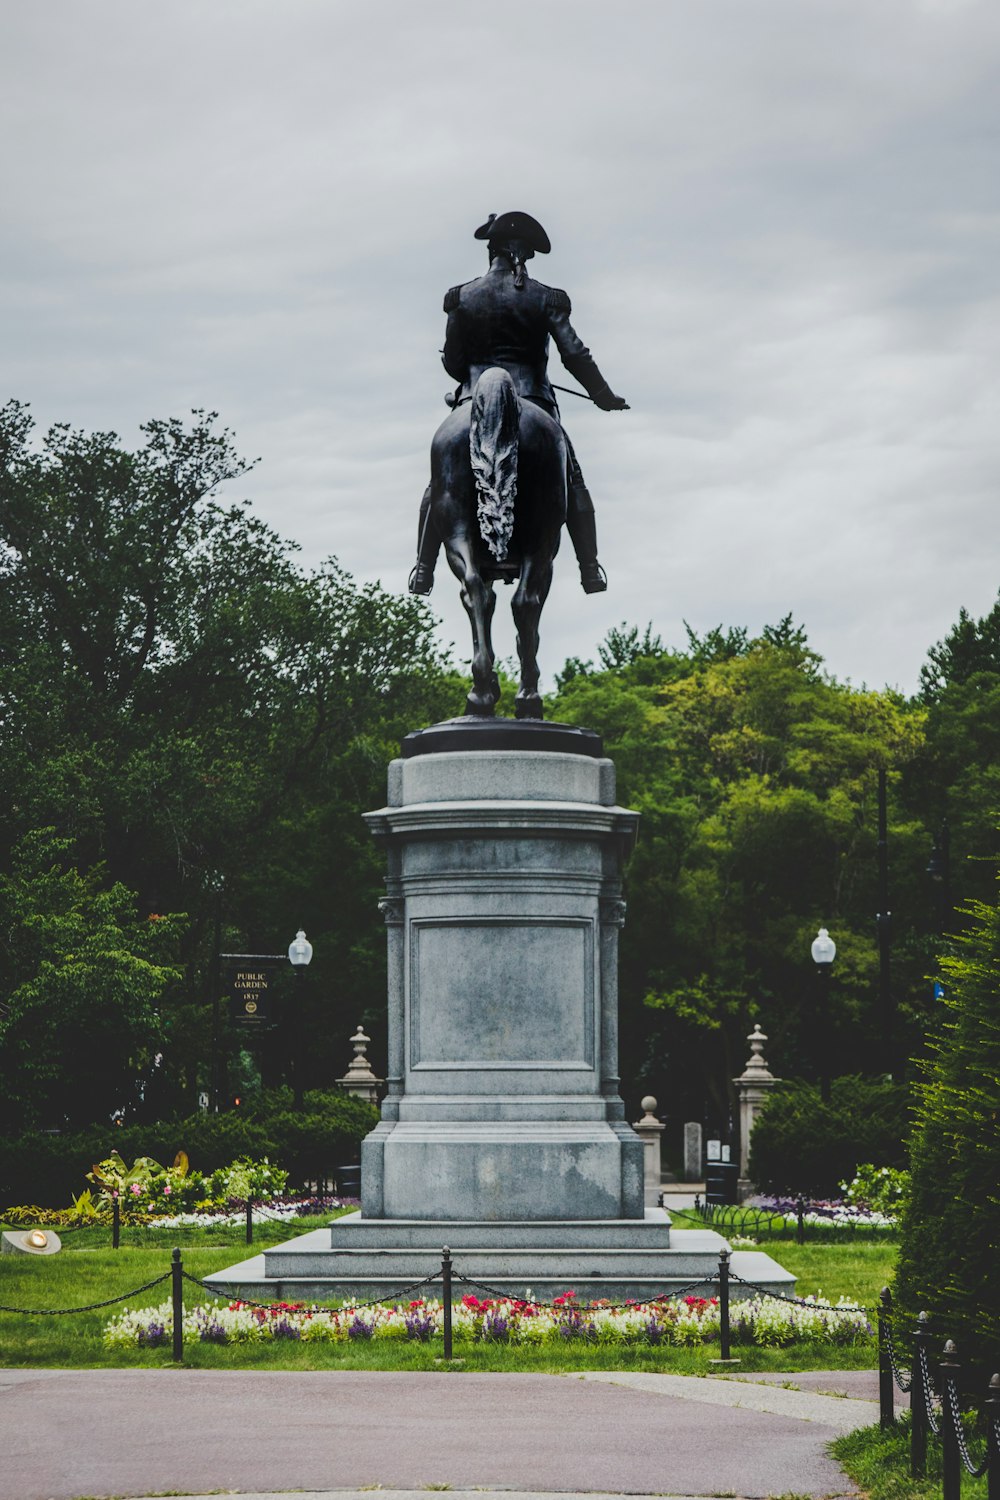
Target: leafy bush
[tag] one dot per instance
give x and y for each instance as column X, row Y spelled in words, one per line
column 245, row 1178
column 951, row 1228
column 50, row 1169
column 801, row 1145
column 879, row 1190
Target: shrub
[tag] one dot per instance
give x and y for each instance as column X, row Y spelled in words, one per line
column 801, row 1145
column 879, row 1190
column 50, row 1169
column 951, row 1228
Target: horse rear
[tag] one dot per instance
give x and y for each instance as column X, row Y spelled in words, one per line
column 498, row 500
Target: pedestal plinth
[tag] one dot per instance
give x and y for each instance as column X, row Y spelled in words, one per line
column 502, row 1133
column 503, row 908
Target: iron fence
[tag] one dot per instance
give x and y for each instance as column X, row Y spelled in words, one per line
column 938, row 1407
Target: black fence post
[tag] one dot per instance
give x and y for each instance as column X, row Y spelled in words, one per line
column 992, row 1413
column 116, row 1222
column 177, row 1298
column 249, row 1221
column 446, row 1297
column 800, row 1221
column 951, row 1415
column 919, row 1398
column 724, row 1304
column 886, row 1393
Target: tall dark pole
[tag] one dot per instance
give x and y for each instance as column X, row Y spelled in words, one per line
column 300, row 976
column 882, row 926
column 300, row 953
column 823, row 1030
column 939, row 869
column 216, row 1086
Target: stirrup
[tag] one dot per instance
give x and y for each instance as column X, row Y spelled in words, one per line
column 421, row 579
column 593, row 579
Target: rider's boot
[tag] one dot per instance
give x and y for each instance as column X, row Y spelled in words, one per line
column 582, row 527
column 428, row 546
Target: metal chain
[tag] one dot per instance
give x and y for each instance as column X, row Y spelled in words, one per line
column 902, row 1378
column 604, row 1306
column 58, row 1312
column 929, row 1392
column 953, row 1403
column 799, row 1301
column 388, row 1300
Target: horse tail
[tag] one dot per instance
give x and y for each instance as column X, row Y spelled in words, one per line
column 493, row 429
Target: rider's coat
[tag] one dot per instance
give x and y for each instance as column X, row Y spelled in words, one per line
column 493, row 322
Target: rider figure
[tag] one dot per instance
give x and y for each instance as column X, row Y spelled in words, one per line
column 505, row 319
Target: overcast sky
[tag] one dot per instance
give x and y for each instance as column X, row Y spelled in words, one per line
column 778, row 220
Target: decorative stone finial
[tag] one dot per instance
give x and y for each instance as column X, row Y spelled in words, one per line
column 359, row 1078
column 756, row 1069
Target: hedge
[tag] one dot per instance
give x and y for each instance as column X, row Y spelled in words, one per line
column 801, row 1145
column 50, row 1169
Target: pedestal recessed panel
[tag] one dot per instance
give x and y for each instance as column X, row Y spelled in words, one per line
column 501, row 993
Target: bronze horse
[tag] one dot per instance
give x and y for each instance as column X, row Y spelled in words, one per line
column 498, row 503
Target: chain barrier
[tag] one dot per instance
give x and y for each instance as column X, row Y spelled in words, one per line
column 389, row 1300
column 951, row 1397
column 59, row 1312
column 60, row 1229
column 799, row 1301
column 935, row 1420
column 903, row 1378
column 494, row 1291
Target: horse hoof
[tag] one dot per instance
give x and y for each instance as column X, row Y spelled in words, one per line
column 528, row 706
column 479, row 707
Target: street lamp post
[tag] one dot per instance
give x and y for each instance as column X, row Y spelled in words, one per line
column 300, row 954
column 824, row 951
column 216, row 885
column 939, row 870
column 883, row 929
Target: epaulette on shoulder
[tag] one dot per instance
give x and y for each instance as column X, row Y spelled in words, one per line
column 558, row 300
column 451, row 297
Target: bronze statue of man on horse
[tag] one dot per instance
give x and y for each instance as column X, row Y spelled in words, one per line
column 504, row 476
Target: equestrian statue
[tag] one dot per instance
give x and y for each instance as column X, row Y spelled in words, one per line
column 504, row 477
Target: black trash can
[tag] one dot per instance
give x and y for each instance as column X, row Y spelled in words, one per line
column 348, row 1181
column 721, row 1178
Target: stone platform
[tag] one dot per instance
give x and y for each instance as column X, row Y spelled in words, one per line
column 622, row 1260
column 503, row 1133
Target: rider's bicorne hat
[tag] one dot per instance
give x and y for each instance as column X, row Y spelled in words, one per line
column 515, row 226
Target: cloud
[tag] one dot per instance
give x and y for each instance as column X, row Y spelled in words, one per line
column 779, row 225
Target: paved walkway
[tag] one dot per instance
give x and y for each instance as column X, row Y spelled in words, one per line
column 71, row 1433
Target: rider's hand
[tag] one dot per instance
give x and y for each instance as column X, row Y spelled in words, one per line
column 608, row 401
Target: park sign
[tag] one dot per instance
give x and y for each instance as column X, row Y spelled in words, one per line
column 247, row 977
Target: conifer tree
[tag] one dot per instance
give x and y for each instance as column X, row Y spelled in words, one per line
column 951, row 1230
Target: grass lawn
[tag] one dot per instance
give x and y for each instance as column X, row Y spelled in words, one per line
column 83, row 1273
column 880, row 1463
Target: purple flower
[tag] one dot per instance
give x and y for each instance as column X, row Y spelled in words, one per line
column 284, row 1328
column 359, row 1329
column 496, row 1327
column 153, row 1336
column 419, row 1326
column 213, row 1333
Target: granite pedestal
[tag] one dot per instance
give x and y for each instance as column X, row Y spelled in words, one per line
column 503, row 1134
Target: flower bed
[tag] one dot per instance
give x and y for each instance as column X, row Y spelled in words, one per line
column 767, row 1321
column 820, row 1212
column 275, row 1210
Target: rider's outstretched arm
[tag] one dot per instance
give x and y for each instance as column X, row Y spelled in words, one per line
column 577, row 357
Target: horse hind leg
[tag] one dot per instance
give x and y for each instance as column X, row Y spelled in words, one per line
column 480, row 602
column 526, row 607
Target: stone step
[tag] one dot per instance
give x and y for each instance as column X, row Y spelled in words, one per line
column 651, row 1233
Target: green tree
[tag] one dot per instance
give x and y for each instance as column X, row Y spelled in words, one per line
column 82, row 1025
column 755, row 775
column 184, row 702
column 951, row 1229
column 958, row 774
